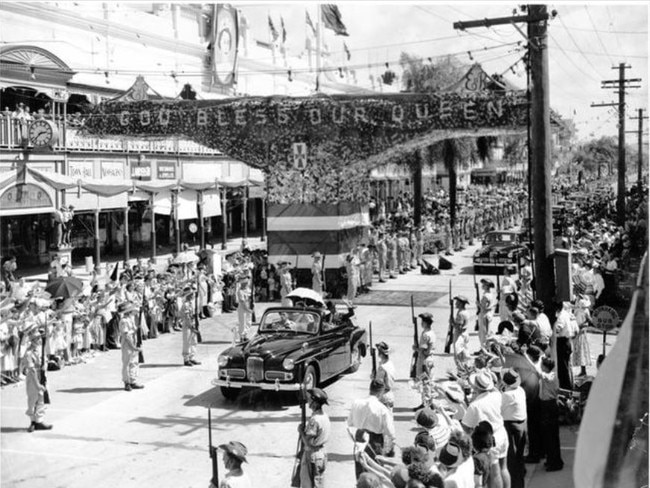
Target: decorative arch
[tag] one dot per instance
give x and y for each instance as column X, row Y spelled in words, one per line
column 33, row 56
column 24, row 65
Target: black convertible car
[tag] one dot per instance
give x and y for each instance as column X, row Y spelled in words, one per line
column 292, row 346
column 500, row 249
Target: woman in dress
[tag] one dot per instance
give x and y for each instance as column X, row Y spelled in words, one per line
column 581, row 351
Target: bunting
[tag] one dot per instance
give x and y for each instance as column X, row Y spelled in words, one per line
column 274, row 32
column 347, row 51
column 310, row 23
column 332, row 19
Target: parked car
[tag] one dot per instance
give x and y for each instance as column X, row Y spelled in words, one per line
column 500, row 249
column 292, row 346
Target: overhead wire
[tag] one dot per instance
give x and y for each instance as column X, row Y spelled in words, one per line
column 562, row 50
column 578, row 47
column 598, row 34
column 611, row 25
column 274, row 70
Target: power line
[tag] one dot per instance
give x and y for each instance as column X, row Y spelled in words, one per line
column 598, row 35
column 275, row 70
column 639, row 33
column 576, row 45
column 611, row 25
column 562, row 50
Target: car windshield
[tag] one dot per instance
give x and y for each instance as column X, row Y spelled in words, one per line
column 497, row 238
column 286, row 321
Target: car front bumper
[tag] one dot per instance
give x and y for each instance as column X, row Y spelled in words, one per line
column 275, row 386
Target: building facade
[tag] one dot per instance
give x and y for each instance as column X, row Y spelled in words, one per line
column 59, row 60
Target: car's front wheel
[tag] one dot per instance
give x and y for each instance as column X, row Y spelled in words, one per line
column 355, row 359
column 229, row 393
column 310, row 379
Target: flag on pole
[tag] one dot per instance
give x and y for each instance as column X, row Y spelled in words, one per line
column 347, row 51
column 332, row 19
column 274, row 33
column 310, row 23
column 284, row 31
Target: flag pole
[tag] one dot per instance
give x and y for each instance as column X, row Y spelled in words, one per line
column 318, row 48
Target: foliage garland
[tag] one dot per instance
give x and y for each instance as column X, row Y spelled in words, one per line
column 346, row 135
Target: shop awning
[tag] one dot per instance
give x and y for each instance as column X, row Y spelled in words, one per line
column 106, row 188
column 55, row 180
column 156, row 185
column 198, row 185
column 7, row 178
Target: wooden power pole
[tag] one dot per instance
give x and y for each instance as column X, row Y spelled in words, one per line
column 621, row 85
column 639, row 167
column 540, row 143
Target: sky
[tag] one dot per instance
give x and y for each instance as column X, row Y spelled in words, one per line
column 586, row 40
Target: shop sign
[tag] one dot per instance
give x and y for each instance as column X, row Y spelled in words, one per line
column 141, row 170
column 80, row 169
column 166, row 170
column 112, row 170
column 605, row 318
column 25, row 196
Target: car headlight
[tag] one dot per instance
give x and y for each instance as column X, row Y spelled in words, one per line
column 223, row 361
column 288, row 364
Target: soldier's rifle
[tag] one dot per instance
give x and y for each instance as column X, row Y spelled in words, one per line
column 199, row 338
column 478, row 301
column 416, row 346
column 138, row 333
column 295, row 476
column 213, row 452
column 43, row 378
column 252, row 304
column 450, row 329
column 373, row 352
column 324, row 275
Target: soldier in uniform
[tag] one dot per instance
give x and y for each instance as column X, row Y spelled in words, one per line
column 128, row 342
column 187, row 326
column 244, row 310
column 460, row 335
column 234, row 455
column 386, row 374
column 382, row 254
column 351, row 268
column 426, row 346
column 485, row 308
column 391, row 244
column 314, row 436
column 286, row 282
column 317, row 273
column 35, row 389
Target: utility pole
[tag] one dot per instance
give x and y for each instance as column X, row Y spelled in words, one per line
column 639, row 167
column 621, row 84
column 536, row 19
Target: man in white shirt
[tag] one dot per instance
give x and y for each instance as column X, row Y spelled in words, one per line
column 372, row 416
column 487, row 406
column 566, row 328
column 513, row 410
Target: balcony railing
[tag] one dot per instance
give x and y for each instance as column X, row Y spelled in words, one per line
column 14, row 132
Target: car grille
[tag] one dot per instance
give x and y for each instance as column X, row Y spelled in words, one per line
column 233, row 374
column 255, row 369
column 278, row 375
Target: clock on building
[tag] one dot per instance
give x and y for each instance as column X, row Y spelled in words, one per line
column 43, row 133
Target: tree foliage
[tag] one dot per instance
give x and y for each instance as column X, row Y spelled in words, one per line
column 597, row 153
column 422, row 76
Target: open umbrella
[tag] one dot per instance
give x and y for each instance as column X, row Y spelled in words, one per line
column 307, row 295
column 64, row 287
column 185, row 258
